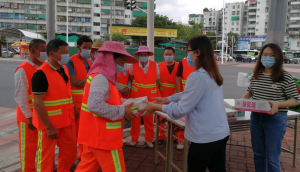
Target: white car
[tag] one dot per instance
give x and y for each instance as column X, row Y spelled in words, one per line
column 9, row 53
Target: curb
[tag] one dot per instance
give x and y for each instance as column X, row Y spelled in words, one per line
column 11, row 59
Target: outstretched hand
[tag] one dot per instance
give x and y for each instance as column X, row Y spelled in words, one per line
column 150, row 108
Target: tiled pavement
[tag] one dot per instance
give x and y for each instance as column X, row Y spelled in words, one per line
column 239, row 159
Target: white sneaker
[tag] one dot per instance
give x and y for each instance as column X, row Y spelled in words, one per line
column 132, row 144
column 149, row 144
column 180, row 145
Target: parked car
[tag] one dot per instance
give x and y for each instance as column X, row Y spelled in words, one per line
column 252, row 58
column 9, row 53
column 243, row 58
column 17, row 49
column 289, row 59
column 234, row 56
column 12, row 50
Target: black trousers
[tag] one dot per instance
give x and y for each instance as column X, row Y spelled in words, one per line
column 207, row 155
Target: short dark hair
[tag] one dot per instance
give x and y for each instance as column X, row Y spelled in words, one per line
column 83, row 39
column 54, row 45
column 35, row 43
column 169, row 48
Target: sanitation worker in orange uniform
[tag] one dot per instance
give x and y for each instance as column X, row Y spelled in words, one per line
column 144, row 75
column 54, row 112
column 28, row 134
column 102, row 115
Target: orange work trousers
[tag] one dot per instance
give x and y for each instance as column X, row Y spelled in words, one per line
column 109, row 160
column 136, row 127
column 80, row 148
column 161, row 135
column 27, row 147
column 66, row 143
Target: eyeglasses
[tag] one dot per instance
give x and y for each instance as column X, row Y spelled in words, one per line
column 187, row 51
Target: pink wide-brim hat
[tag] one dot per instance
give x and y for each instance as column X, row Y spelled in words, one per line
column 143, row 49
column 117, row 47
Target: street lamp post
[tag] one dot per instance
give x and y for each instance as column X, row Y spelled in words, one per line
column 223, row 25
column 150, row 26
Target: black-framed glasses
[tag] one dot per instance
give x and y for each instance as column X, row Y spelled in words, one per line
column 187, row 51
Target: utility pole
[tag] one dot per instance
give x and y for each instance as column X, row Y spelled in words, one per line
column 150, row 26
column 223, row 32
column 110, row 22
column 50, row 18
column 276, row 22
column 67, row 34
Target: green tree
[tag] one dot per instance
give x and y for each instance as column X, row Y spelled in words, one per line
column 98, row 40
column 185, row 33
column 3, row 39
column 117, row 37
column 192, row 22
column 44, row 35
column 234, row 41
column 159, row 21
column 205, row 9
column 212, row 39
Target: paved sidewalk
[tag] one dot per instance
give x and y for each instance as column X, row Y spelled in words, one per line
column 238, row 159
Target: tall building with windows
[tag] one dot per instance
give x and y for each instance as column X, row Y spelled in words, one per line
column 293, row 25
column 85, row 17
column 197, row 18
column 213, row 22
column 234, row 18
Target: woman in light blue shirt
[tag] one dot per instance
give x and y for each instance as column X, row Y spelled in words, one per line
column 203, row 105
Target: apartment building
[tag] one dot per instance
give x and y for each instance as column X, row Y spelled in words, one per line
column 213, row 22
column 197, row 18
column 234, row 17
column 293, row 25
column 85, row 17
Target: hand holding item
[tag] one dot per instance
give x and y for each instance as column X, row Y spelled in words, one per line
column 150, row 108
column 159, row 100
column 128, row 112
column 274, row 106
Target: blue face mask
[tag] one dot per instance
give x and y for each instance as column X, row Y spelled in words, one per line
column 169, row 58
column 43, row 56
column 96, row 53
column 143, row 59
column 268, row 61
column 64, row 59
column 85, row 53
column 190, row 61
column 119, row 68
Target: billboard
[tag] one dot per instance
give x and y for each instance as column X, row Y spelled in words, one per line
column 243, row 43
column 142, row 31
column 24, row 51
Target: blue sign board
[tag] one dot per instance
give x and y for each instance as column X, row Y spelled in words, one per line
column 243, row 43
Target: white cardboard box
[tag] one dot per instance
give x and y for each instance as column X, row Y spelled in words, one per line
column 252, row 105
column 138, row 104
column 230, row 104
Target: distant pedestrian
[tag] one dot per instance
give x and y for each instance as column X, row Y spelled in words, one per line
column 202, row 103
column 270, row 82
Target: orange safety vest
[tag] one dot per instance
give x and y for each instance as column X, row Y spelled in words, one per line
column 58, row 100
column 29, row 71
column 187, row 70
column 81, row 73
column 144, row 84
column 89, row 62
column 99, row 132
column 167, row 84
column 123, row 80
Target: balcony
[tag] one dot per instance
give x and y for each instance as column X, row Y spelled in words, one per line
column 251, row 31
column 293, row 32
column 252, row 14
column 251, row 25
column 252, row 19
column 295, row 3
column 296, row 18
column 294, row 26
column 252, row 7
column 253, row 2
column 295, row 11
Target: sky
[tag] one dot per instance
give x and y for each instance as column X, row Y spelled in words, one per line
column 180, row 9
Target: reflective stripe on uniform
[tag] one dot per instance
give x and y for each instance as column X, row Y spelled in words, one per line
column 113, row 125
column 115, row 155
column 89, row 80
column 23, row 144
column 144, row 85
column 39, row 154
column 84, row 108
column 54, row 112
column 183, row 81
column 134, row 88
column 77, row 92
column 58, row 102
column 153, row 91
column 124, row 86
column 167, row 85
column 29, row 97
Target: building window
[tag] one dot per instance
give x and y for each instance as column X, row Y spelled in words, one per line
column 257, row 16
column 237, row 29
column 96, row 24
column 256, row 22
column 232, row 29
column 298, row 44
column 127, row 16
column 238, row 7
column 96, row 14
column 96, row 33
column 233, row 7
column 233, row 12
column 237, row 23
column 238, row 13
column 256, row 29
column 232, row 23
column 103, row 30
column 96, row 5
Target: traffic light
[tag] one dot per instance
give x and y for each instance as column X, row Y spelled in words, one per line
column 130, row 4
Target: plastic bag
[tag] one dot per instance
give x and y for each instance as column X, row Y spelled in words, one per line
column 137, row 104
column 243, row 79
